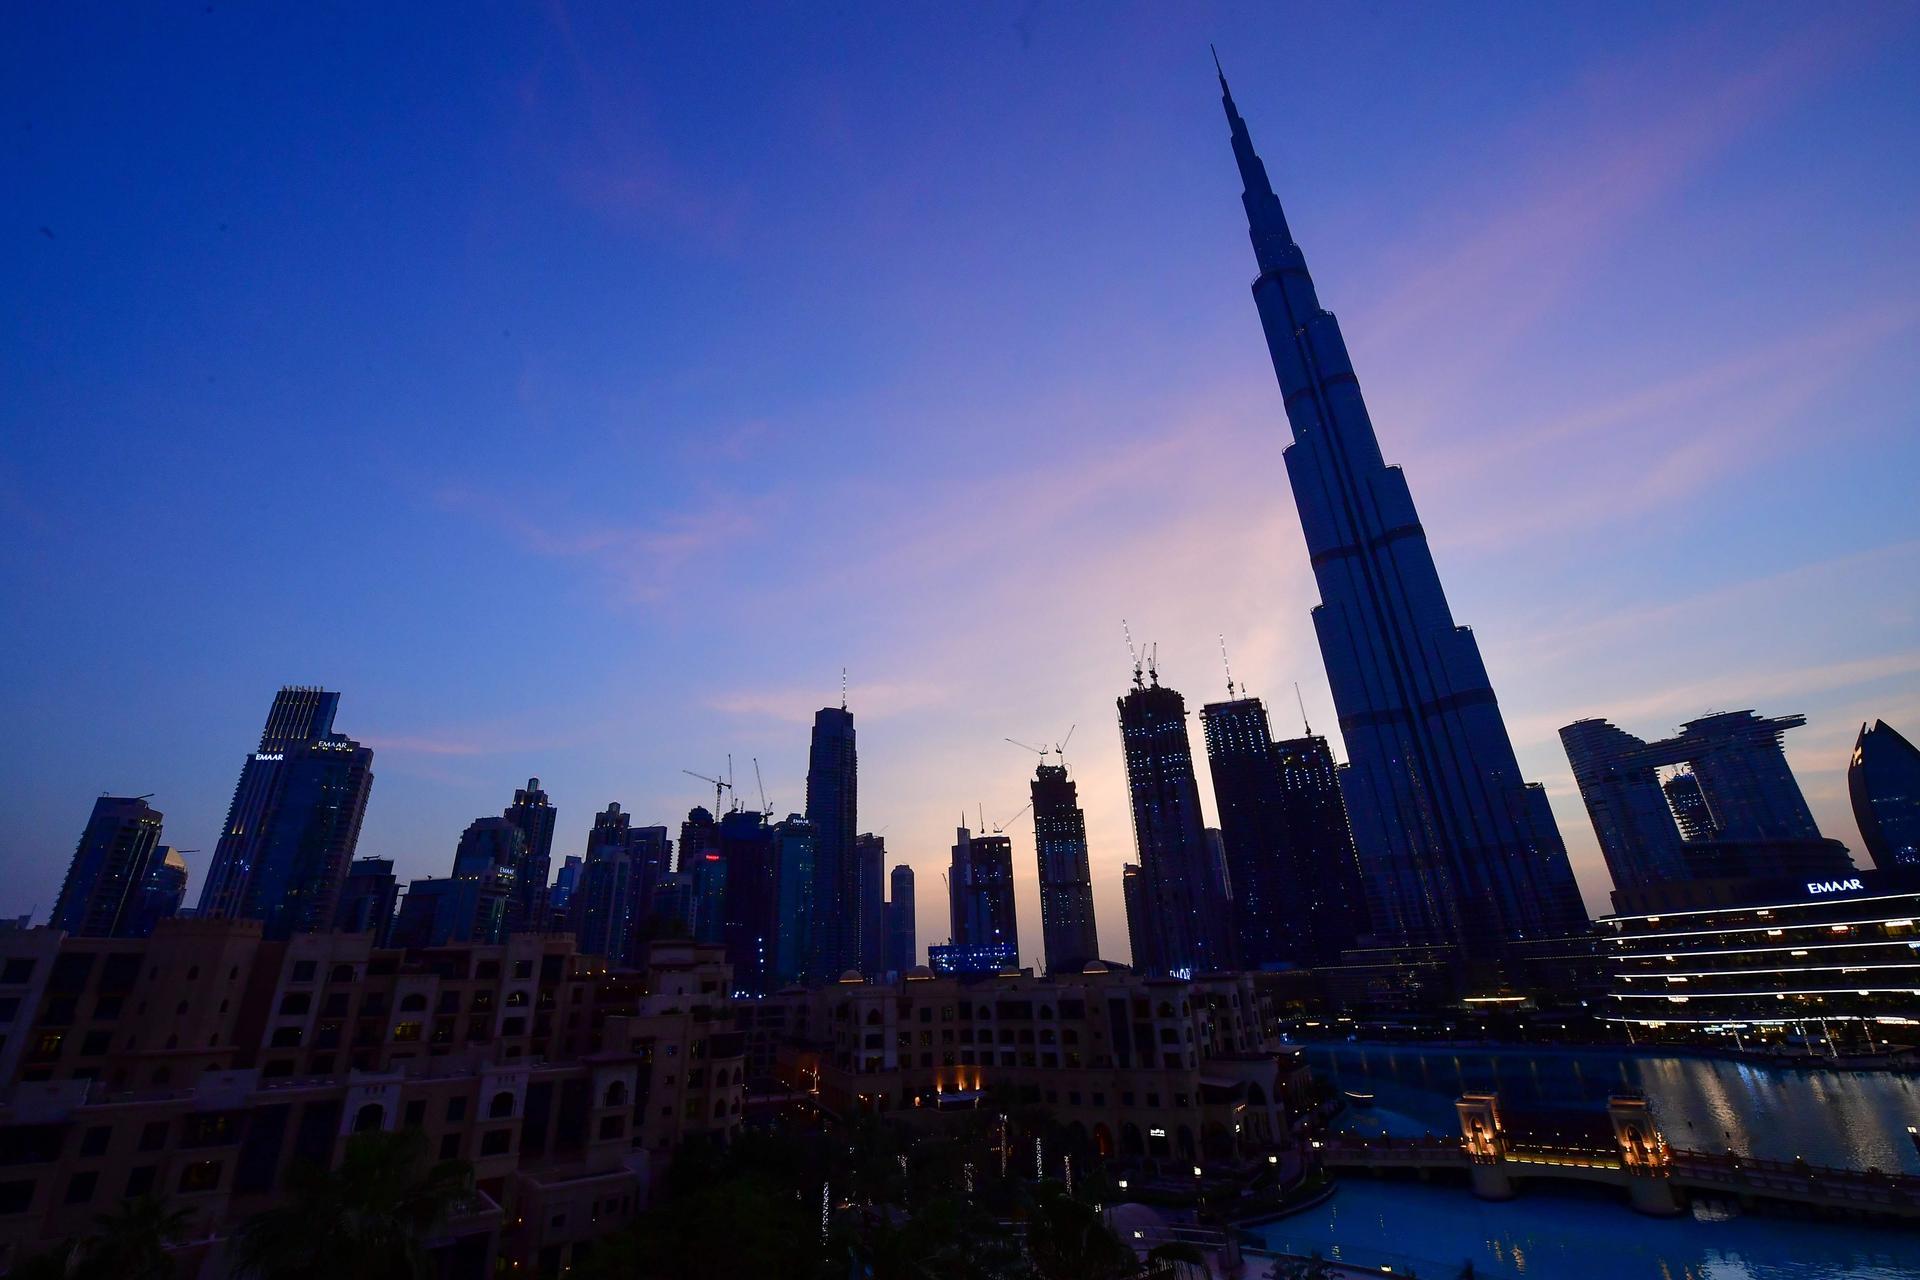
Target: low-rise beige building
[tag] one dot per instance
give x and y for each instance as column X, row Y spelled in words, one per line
column 201, row 1064
column 1137, row 1066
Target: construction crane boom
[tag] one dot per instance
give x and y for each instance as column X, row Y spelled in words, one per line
column 719, row 785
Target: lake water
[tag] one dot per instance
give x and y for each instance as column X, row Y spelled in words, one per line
column 1853, row 1119
column 1435, row 1229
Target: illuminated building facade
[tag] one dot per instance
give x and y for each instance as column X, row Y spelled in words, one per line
column 1832, row 962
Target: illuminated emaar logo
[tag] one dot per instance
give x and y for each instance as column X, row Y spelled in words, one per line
column 1834, row 886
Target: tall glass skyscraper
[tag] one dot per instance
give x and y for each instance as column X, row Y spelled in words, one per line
column 299, row 716
column 1186, row 929
column 1066, row 883
column 980, row 903
column 833, row 792
column 902, row 953
column 1458, row 847
column 117, row 854
column 1883, row 780
column 1290, row 856
column 870, row 872
column 535, row 815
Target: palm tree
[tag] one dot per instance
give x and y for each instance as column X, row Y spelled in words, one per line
column 1068, row 1240
column 369, row 1218
column 131, row 1242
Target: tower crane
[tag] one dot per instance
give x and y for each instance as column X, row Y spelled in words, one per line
column 719, row 785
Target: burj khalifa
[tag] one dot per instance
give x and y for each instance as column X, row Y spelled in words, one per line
column 1457, row 848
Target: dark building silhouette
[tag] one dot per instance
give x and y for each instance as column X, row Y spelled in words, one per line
column 561, row 894
column 1133, row 897
column 294, row 822
column 535, row 816
column 1297, row 897
column 833, row 784
column 600, row 910
column 101, row 896
column 699, row 833
column 1735, row 813
column 493, row 850
column 443, row 911
column 870, row 866
column 163, row 894
column 368, row 899
column 707, row 886
column 980, row 902
column 750, row 906
column 902, row 951
column 797, row 951
column 1066, row 882
column 1186, row 928
column 1883, row 781
column 299, row 715
column 1460, row 848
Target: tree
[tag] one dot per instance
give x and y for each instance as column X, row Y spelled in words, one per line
column 1068, row 1240
column 128, row 1244
column 369, row 1218
column 131, row 1242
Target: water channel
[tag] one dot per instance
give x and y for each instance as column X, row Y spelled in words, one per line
column 1856, row 1119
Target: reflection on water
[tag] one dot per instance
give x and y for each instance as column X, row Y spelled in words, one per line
column 1855, row 1119
column 1551, row 1235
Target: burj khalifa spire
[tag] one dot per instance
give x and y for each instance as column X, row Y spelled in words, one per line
column 1456, row 846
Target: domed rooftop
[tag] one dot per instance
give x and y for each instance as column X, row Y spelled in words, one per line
column 852, row 975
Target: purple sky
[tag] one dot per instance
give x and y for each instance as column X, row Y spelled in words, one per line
column 579, row 389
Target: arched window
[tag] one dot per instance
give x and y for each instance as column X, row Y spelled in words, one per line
column 617, row 1093
column 873, row 1017
column 1166, row 1010
column 501, row 1106
column 369, row 1118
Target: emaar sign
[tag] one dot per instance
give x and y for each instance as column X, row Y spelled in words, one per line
column 1817, row 887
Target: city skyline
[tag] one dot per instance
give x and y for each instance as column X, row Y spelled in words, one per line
column 930, row 706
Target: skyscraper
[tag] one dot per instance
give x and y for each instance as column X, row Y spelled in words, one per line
column 535, row 816
column 1066, row 882
column 1133, row 896
column 1461, row 848
column 299, row 715
column 751, row 901
column 1883, row 781
column 1290, row 859
column 980, row 904
column 161, row 897
column 101, row 895
column 870, row 866
column 833, row 783
column 902, row 953
column 368, row 899
column 491, row 851
column 601, row 908
column 796, row 952
column 1736, row 812
column 561, row 895
column 1186, row 925
column 294, row 822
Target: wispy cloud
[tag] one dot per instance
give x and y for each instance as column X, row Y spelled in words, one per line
column 646, row 560
column 1620, row 141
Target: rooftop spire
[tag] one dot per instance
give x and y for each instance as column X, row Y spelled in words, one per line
column 1266, row 223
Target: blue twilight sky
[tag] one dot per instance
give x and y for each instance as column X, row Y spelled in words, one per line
column 579, row 387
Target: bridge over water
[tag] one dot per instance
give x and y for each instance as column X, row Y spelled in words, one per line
column 1623, row 1149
